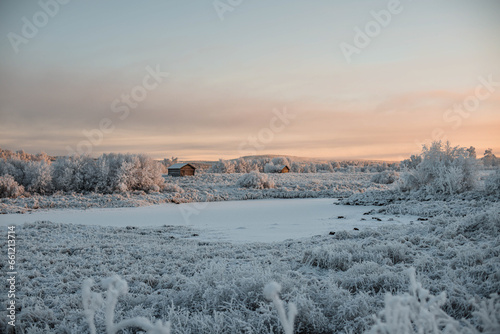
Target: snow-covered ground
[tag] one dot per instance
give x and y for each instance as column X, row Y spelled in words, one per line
column 338, row 282
column 236, row 221
column 203, row 264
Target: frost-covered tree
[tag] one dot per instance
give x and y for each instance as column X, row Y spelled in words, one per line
column 38, row 177
column 490, row 159
column 444, row 169
column 280, row 161
column 109, row 173
column 472, row 151
column 76, row 174
column 222, row 166
column 128, row 172
column 147, row 175
column 296, row 168
column 242, row 166
column 34, row 176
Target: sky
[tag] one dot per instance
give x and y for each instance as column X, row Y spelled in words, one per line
column 204, row 79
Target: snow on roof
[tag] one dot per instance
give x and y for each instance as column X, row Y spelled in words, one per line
column 179, row 165
column 283, row 166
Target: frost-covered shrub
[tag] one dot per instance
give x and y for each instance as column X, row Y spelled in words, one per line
column 172, row 188
column 444, row 170
column 343, row 256
column 492, row 183
column 9, row 187
column 255, row 180
column 385, row 177
column 421, row 312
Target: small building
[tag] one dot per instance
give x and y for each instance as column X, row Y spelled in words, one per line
column 283, row 169
column 183, row 169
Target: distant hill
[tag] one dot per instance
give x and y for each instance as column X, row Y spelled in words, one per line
column 208, row 163
column 314, row 160
column 291, row 157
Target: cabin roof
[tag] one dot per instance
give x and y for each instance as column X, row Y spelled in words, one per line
column 281, row 167
column 180, row 165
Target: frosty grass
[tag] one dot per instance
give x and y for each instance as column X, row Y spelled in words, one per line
column 351, row 282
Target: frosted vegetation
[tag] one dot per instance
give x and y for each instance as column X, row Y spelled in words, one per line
column 443, row 170
column 439, row 275
column 442, row 180
column 444, row 174
column 108, row 174
column 205, row 187
column 255, row 180
column 337, row 282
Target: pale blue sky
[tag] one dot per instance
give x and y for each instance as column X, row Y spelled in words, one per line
column 227, row 76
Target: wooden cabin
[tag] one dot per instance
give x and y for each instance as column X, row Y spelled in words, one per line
column 283, row 169
column 183, row 169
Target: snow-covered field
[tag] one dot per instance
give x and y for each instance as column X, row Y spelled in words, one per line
column 203, row 265
column 235, row 221
column 336, row 281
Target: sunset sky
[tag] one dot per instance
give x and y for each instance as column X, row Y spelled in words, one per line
column 81, row 80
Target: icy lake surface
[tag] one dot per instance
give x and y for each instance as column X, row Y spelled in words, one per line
column 235, row 221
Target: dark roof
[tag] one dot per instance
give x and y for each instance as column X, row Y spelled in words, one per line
column 180, row 165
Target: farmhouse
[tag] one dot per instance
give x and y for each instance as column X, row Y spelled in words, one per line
column 181, row 169
column 283, row 169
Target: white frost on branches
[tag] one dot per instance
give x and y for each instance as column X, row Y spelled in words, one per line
column 255, row 180
column 420, row 312
column 92, row 302
column 271, row 292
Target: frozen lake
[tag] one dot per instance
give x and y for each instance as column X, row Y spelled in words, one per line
column 236, row 221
